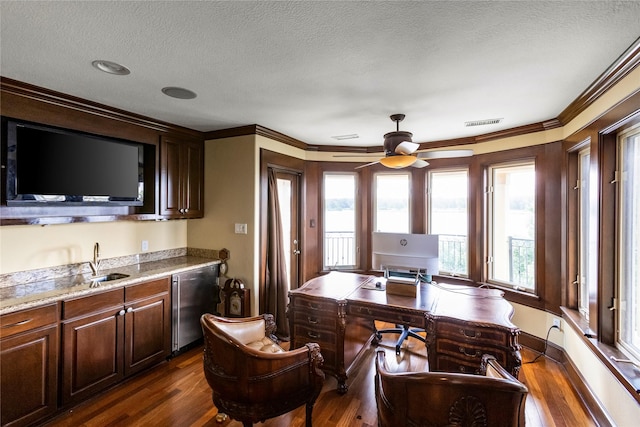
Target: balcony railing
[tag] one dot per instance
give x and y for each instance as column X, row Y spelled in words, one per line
column 339, row 249
column 521, row 262
column 340, row 252
column 453, row 254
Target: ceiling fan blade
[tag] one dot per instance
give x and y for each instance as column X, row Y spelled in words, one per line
column 420, row 164
column 444, row 154
column 406, row 147
column 367, row 164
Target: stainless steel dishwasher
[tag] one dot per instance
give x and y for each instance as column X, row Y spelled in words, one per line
column 193, row 293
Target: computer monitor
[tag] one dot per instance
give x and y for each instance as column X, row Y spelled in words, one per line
column 405, row 251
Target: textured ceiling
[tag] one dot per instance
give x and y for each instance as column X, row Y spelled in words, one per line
column 313, row 70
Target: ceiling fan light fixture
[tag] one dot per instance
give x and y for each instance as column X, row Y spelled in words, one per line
column 398, row 162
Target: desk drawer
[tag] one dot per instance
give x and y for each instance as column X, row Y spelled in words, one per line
column 472, row 334
column 387, row 314
column 314, row 305
column 469, row 353
column 455, row 365
column 315, row 320
column 326, row 339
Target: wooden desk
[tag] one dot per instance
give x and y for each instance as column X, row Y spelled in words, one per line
column 462, row 323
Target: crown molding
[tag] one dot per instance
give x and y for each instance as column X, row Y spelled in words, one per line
column 256, row 130
column 58, row 99
column 626, row 63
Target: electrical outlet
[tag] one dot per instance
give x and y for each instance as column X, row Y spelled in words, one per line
column 145, row 245
column 557, row 322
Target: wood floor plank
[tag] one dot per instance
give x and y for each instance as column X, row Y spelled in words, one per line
column 177, row 394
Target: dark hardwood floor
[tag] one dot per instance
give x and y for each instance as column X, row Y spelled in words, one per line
column 177, row 394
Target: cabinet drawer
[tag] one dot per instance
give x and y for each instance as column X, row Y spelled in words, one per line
column 92, row 303
column 326, row 339
column 146, row 289
column 469, row 352
column 314, row 320
column 472, row 334
column 20, row 321
column 387, row 314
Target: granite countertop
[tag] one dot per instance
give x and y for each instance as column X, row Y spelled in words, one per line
column 28, row 295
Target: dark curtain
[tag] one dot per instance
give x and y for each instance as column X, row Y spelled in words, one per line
column 276, row 275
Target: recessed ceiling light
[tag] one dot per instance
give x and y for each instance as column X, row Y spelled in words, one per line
column 178, row 92
column 482, row 122
column 111, row 67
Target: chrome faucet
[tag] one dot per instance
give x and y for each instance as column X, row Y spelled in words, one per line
column 95, row 265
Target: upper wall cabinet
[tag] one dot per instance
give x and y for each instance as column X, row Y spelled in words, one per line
column 181, row 178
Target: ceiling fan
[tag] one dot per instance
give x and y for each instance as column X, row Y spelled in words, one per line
column 400, row 152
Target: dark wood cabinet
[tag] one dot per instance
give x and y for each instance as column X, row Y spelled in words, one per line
column 181, row 178
column 110, row 335
column 28, row 365
column 147, row 325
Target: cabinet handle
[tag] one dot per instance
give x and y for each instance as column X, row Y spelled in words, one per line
column 23, row 322
column 314, row 306
column 130, row 310
column 313, row 335
column 470, row 334
column 473, row 354
column 186, row 210
column 121, row 313
column 313, row 320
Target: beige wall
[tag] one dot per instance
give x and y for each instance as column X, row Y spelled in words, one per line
column 28, row 247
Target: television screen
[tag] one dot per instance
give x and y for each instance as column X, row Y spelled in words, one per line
column 53, row 165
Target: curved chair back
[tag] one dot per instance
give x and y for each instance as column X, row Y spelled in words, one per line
column 449, row 399
column 251, row 377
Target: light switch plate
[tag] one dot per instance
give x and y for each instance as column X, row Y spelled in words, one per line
column 241, row 228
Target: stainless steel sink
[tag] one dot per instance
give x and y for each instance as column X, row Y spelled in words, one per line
column 108, row 277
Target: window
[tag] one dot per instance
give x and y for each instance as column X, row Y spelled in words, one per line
column 391, row 203
column 586, row 257
column 448, row 216
column 511, row 244
column 339, row 214
column 628, row 177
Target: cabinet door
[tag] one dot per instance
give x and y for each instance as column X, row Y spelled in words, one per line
column 92, row 353
column 147, row 325
column 28, row 374
column 193, row 179
column 181, row 178
column 170, row 182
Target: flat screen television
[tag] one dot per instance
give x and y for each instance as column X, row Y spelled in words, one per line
column 47, row 165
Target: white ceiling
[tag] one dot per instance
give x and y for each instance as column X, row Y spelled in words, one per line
column 313, row 70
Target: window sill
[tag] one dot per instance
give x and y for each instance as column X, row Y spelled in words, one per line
column 514, row 295
column 626, row 373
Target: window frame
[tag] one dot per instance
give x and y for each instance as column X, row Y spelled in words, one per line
column 428, row 205
column 489, row 225
column 374, row 196
column 357, row 208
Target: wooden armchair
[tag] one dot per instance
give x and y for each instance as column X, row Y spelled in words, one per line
column 494, row 398
column 251, row 376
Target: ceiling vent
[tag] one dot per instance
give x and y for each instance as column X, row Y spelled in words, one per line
column 482, row 122
column 345, row 137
